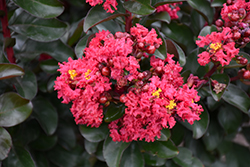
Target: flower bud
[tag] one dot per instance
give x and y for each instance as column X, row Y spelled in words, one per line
column 219, row 23
column 103, row 99
column 246, row 74
column 105, row 71
column 151, row 49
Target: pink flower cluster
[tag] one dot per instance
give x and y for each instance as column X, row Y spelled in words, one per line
column 111, row 67
column 219, row 46
column 172, row 9
column 107, row 5
column 150, row 110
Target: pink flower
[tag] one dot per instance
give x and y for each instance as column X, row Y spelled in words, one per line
column 107, row 5
column 218, row 48
column 172, row 9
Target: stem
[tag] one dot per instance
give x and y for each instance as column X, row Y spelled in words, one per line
column 211, row 71
column 128, row 21
column 234, row 78
column 6, row 31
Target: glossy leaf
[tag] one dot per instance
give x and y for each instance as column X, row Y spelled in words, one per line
column 56, row 49
column 139, row 7
column 5, row 143
column 203, row 7
column 174, row 48
column 10, row 71
column 178, row 133
column 97, row 15
column 51, row 83
column 153, row 160
column 94, row 134
column 26, row 86
column 41, row 8
column 157, row 3
column 132, row 157
column 180, row 33
column 161, row 52
column 43, row 30
column 237, row 97
column 222, row 79
column 114, row 112
column 191, row 62
column 44, row 142
column 20, row 157
column 197, row 22
column 41, row 160
column 161, row 16
column 49, row 66
column 213, row 136
column 13, row 109
column 165, row 135
column 45, row 114
column 218, row 3
column 112, row 151
column 200, row 127
column 90, row 147
column 207, row 30
column 81, row 45
column 163, row 149
column 229, row 118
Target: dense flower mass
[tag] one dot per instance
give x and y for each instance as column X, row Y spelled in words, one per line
column 110, row 70
column 219, row 47
column 107, row 5
column 149, row 110
column 172, row 9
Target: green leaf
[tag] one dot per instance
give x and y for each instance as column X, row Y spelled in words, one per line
column 175, row 49
column 40, row 159
column 163, row 2
column 181, row 34
column 94, row 134
column 200, row 127
column 114, row 112
column 165, row 135
column 213, row 136
column 51, row 83
column 90, row 147
column 237, row 97
column 207, row 30
column 112, row 151
column 203, row 7
column 197, row 22
column 45, row 114
column 97, row 15
column 218, row 3
column 191, row 62
column 99, row 152
column 26, row 86
column 43, row 30
column 132, row 157
column 20, row 157
column 222, row 79
column 10, row 71
column 13, row 109
column 185, row 159
column 44, row 142
column 139, row 7
column 5, row 143
column 153, row 160
column 81, row 45
column 41, row 8
column 177, row 133
column 56, row 49
column 161, row 16
column 163, row 149
column 229, row 118
column 49, row 66
column 161, row 52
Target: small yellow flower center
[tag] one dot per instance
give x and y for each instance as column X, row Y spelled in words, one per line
column 86, row 74
column 215, row 46
column 157, row 93
column 171, row 105
column 72, row 74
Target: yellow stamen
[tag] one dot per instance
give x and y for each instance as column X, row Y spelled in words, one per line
column 157, row 93
column 72, row 74
column 86, row 74
column 171, row 105
column 215, row 46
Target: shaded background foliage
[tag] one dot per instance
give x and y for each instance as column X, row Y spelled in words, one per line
column 38, row 130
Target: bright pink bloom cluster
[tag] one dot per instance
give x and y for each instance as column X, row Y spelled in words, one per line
column 172, row 9
column 219, row 47
column 148, row 111
column 107, row 5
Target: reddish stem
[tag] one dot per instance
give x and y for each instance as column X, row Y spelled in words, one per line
column 234, row 78
column 128, row 21
column 212, row 71
column 6, row 31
